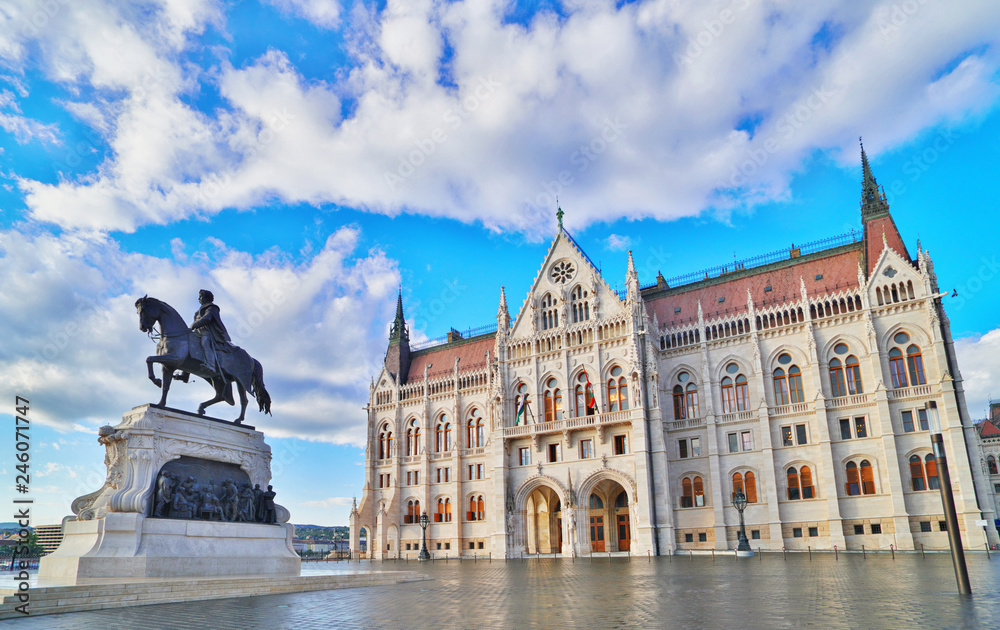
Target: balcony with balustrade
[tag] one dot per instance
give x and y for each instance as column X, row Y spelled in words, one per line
column 598, row 421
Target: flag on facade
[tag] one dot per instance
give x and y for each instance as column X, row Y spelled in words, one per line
column 591, row 403
column 522, row 403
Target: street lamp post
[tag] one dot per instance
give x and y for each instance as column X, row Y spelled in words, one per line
column 948, row 498
column 743, row 549
column 423, row 546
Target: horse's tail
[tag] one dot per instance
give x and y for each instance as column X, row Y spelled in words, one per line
column 259, row 391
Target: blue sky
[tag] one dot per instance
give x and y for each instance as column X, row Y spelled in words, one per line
column 305, row 159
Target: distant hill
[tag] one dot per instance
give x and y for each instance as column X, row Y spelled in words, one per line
column 9, row 525
column 321, row 532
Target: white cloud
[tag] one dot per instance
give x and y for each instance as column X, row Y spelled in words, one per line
column 979, row 362
column 316, row 327
column 325, row 13
column 686, row 106
column 619, row 243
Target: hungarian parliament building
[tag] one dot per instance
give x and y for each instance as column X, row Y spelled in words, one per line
column 600, row 421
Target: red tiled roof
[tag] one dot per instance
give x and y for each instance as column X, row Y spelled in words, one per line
column 988, row 429
column 471, row 354
column 874, row 229
column 839, row 271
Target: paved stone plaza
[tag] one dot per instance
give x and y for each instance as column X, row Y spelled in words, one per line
column 679, row 592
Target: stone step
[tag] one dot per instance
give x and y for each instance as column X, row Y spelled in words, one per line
column 62, row 599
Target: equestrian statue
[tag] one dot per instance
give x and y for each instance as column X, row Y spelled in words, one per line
column 205, row 349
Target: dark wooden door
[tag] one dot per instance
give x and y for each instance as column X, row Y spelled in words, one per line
column 597, row 533
column 624, row 535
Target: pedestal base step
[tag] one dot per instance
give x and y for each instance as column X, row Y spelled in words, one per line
column 99, row 594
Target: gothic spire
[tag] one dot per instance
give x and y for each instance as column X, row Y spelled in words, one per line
column 873, row 200
column 503, row 317
column 399, row 332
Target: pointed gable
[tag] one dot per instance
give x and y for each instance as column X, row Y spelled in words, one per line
column 988, row 429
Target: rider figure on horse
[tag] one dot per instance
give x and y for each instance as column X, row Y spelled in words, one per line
column 214, row 336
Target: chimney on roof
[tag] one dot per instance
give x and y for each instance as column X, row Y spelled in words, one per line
column 454, row 335
column 661, row 282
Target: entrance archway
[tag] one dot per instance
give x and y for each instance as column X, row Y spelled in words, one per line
column 543, row 521
column 610, row 525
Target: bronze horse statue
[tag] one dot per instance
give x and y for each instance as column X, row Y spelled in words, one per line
column 179, row 348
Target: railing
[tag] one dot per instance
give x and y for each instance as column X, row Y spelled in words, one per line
column 464, row 334
column 479, row 450
column 442, row 455
column 582, row 422
column 762, row 259
column 843, row 402
column 790, row 410
column 736, row 416
column 909, row 392
column 410, row 459
column 685, row 424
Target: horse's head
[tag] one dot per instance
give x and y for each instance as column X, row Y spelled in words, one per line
column 146, row 319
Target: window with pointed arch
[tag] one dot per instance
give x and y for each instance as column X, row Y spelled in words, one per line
column 586, row 404
column 912, row 364
column 991, row 464
column 735, row 396
column 579, row 305
column 685, row 397
column 477, row 509
column 917, row 479
column 384, row 442
column 860, row 478
column 617, row 390
column 553, row 401
column 443, row 514
column 746, row 483
column 692, row 492
column 521, row 403
column 800, row 483
column 412, row 512
column 852, row 369
column 838, row 384
column 787, row 384
column 412, row 438
column 443, row 434
column 550, row 314
column 915, row 363
column 474, row 431
column 930, row 462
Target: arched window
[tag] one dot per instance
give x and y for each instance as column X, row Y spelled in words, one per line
column 854, row 385
column 742, row 396
column 692, row 400
column 480, row 508
column 687, row 495
column 728, row 395
column 699, row 492
column 915, row 361
column 617, row 390
column 853, row 479
column 412, row 512
column 897, row 368
column 521, row 403
column 384, row 442
column 932, row 476
column 991, row 464
column 867, row 477
column 553, row 401
column 443, row 434
column 622, row 500
column 596, row 503
column 474, row 430
column 738, row 484
column 917, row 473
column 443, row 514
column 412, row 438
column 800, row 483
column 579, row 305
column 780, row 387
column 680, row 407
column 750, row 483
column 795, row 385
column 586, row 405
column 838, row 387
column 550, row 314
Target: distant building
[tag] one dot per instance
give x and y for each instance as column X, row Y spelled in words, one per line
column 49, row 536
column 988, row 460
column 600, row 420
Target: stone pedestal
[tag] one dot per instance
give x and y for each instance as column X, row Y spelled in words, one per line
column 114, row 535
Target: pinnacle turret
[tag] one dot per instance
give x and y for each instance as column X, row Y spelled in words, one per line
column 873, row 199
column 399, row 331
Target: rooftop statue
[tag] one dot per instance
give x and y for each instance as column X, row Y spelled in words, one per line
column 205, row 349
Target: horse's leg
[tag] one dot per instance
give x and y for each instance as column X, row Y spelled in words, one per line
column 243, row 401
column 149, row 367
column 168, row 375
column 218, row 398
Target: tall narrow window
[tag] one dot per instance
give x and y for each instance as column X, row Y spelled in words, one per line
column 553, row 401
column 853, row 484
column 854, row 385
column 692, row 400
column 699, row 492
column 795, row 385
column 412, row 438
column 475, row 437
column 917, row 473
column 443, row 434
column 932, row 476
column 738, row 484
column 578, row 305
column 867, row 477
column 680, row 407
column 728, row 396
column 780, row 387
column 687, row 495
column 742, row 397
column 617, row 390
column 897, row 368
column 991, row 464
column 794, row 491
column 805, row 476
column 750, row 481
column 915, row 362
column 837, row 385
column 384, row 442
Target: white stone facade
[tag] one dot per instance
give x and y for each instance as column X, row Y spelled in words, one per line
column 563, row 494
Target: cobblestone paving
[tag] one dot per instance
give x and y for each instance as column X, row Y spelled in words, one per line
column 679, row 592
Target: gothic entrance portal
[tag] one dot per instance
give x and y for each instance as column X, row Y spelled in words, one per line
column 543, row 520
column 610, row 521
